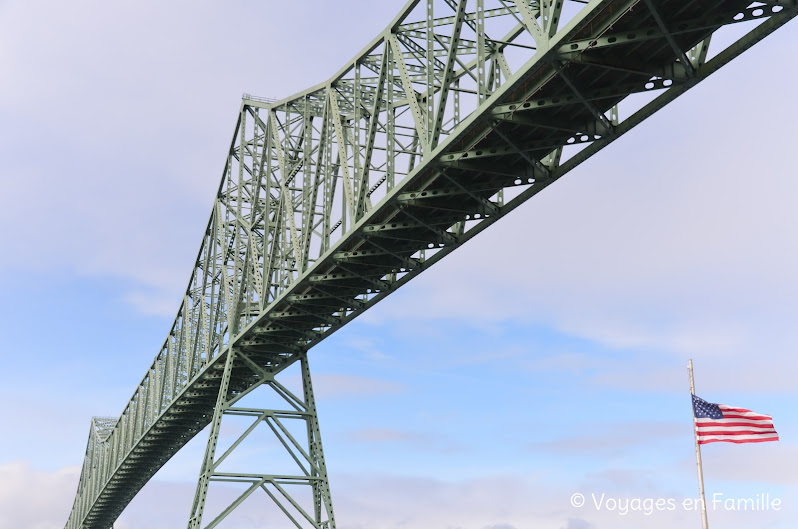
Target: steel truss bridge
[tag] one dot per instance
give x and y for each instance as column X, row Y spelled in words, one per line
column 458, row 112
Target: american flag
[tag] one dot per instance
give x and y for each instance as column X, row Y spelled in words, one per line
column 719, row 423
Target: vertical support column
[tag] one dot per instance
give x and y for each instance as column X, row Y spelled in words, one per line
column 195, row 519
column 321, row 488
column 482, row 56
column 429, row 99
column 325, row 144
column 698, row 55
column 277, row 488
column 390, row 113
column 355, row 129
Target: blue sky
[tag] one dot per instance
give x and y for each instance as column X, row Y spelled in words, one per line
column 546, row 357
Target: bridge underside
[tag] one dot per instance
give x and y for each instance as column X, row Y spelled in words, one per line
column 334, row 198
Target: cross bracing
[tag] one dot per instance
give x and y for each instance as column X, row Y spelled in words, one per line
column 458, row 112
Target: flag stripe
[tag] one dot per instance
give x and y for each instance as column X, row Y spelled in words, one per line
column 735, row 432
column 741, row 433
column 735, row 419
column 703, row 423
column 732, row 409
column 739, row 412
column 737, row 441
column 733, row 428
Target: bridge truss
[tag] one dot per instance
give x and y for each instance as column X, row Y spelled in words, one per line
column 458, row 112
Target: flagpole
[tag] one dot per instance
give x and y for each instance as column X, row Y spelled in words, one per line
column 699, row 463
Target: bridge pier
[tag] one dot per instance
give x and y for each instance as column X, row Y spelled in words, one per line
column 310, row 508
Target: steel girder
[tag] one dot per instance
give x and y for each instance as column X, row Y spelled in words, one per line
column 331, row 199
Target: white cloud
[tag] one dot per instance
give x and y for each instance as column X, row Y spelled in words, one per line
column 115, row 130
column 379, row 435
column 768, row 463
column 42, row 500
column 35, row 499
column 369, row 346
column 603, row 439
column 674, row 241
column 677, row 239
column 329, row 385
column 671, row 238
column 576, row 523
column 422, row 441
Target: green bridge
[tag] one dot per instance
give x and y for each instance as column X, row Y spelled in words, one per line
column 454, row 115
